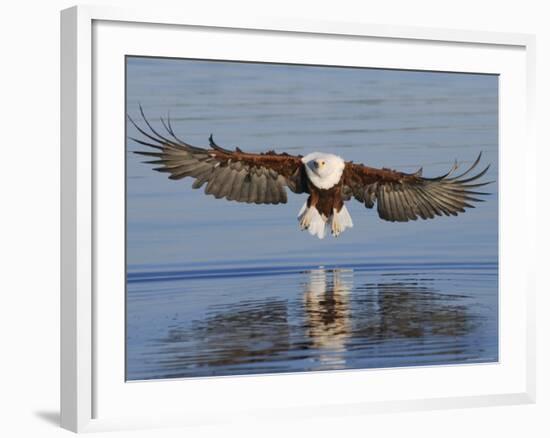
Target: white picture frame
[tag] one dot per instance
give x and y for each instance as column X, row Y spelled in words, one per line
column 93, row 397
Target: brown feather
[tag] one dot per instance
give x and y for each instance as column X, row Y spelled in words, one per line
column 266, row 175
column 403, row 196
column 244, row 195
column 236, row 186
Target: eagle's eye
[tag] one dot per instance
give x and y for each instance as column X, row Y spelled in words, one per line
column 322, row 163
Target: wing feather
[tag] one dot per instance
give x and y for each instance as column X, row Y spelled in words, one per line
column 225, row 190
column 203, row 177
column 271, row 195
column 261, row 178
column 430, row 203
column 417, row 197
column 233, row 175
column 254, row 183
column 212, row 185
column 401, row 197
column 409, row 209
column 244, row 195
column 237, row 186
column 383, row 207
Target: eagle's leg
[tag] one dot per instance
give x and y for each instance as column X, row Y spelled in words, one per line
column 335, row 227
column 305, row 219
column 339, row 221
column 310, row 219
column 306, row 214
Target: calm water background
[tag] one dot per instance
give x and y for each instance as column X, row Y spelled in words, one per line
column 219, row 288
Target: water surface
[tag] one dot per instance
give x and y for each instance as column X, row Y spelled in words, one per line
column 287, row 319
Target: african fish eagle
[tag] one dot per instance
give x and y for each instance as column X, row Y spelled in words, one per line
column 261, row 178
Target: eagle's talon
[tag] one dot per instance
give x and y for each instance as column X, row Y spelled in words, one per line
column 305, row 221
column 335, row 225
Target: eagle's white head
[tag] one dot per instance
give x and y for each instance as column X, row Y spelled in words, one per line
column 323, row 170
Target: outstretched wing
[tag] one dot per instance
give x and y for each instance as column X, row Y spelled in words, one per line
column 234, row 175
column 406, row 196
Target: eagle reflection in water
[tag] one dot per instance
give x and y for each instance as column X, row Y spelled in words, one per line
column 328, row 314
column 331, row 324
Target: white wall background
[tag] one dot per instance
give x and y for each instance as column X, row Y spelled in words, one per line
column 29, row 217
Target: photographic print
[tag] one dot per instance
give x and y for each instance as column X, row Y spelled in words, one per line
column 289, row 218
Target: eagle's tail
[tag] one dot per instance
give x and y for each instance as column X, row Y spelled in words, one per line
column 317, row 224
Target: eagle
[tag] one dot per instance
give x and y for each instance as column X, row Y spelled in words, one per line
column 329, row 180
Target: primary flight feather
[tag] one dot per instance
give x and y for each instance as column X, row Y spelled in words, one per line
column 328, row 179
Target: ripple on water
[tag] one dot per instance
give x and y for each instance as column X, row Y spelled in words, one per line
column 238, row 321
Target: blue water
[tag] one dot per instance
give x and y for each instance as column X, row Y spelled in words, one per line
column 221, row 288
